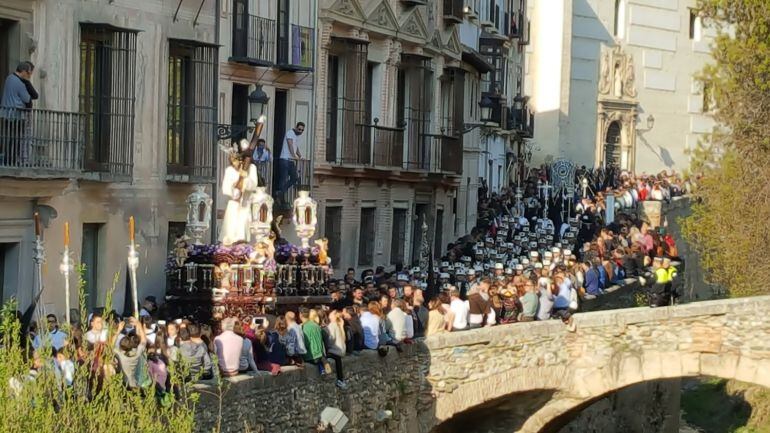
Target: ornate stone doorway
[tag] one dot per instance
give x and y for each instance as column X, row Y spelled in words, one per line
column 617, row 110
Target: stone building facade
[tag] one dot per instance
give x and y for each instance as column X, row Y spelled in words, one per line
column 268, row 46
column 124, row 125
column 613, row 82
column 398, row 90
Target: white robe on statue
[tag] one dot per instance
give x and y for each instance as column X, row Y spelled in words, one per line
column 235, row 226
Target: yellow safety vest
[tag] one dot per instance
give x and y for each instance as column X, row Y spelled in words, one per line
column 662, row 276
column 671, row 273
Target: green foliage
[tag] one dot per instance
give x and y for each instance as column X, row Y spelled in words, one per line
column 45, row 404
column 717, row 405
column 730, row 222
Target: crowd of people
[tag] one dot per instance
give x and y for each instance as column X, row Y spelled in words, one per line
column 516, row 265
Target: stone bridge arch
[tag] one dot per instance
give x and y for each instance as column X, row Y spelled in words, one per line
column 607, row 351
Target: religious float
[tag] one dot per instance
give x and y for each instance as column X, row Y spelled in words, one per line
column 253, row 265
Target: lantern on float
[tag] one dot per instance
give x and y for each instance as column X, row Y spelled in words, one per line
column 261, row 214
column 305, row 217
column 198, row 213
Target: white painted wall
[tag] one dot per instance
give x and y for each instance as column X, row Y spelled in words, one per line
column 656, row 34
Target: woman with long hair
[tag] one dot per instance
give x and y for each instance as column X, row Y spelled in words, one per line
column 437, row 323
column 334, row 339
column 276, row 348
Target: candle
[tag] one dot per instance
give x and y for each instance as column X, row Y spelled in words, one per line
column 131, row 229
column 66, row 234
column 38, row 230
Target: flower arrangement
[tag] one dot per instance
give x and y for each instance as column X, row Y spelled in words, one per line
column 288, row 253
column 212, row 254
column 238, row 254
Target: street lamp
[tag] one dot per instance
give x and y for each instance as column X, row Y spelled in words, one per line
column 258, row 99
column 518, row 102
column 650, row 121
column 486, row 106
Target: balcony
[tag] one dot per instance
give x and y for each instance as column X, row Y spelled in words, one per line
column 522, row 121
column 451, row 154
column 524, row 29
column 388, row 149
column 453, row 11
column 39, row 144
column 410, row 3
column 437, row 153
column 253, row 40
column 295, row 53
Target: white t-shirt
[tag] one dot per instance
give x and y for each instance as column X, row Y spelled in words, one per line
column 290, row 135
column 460, row 309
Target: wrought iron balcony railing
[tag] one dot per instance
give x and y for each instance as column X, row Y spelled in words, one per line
column 37, row 143
column 253, row 40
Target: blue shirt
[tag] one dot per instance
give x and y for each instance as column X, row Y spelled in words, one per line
column 15, row 95
column 261, row 155
column 371, row 325
column 592, row 282
column 603, row 277
column 57, row 338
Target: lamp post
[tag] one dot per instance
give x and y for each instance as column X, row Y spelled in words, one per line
column 258, row 101
column 486, row 106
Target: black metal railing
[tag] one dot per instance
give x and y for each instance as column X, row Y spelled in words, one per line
column 107, row 98
column 388, row 146
column 522, row 121
column 303, row 181
column 425, row 155
column 356, row 146
column 451, row 154
column 253, row 39
column 191, row 144
column 296, row 51
column 41, row 143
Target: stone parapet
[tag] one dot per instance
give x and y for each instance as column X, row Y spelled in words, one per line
column 447, row 375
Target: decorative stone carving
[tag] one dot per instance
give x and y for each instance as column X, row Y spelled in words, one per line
column 383, row 16
column 349, row 9
column 344, row 7
column 604, row 75
column 629, row 85
column 617, row 77
column 453, row 44
column 414, row 25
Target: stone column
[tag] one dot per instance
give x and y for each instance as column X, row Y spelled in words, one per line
column 321, row 72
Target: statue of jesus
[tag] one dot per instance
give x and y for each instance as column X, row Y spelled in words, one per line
column 240, row 181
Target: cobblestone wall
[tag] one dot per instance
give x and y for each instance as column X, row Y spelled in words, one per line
column 293, row 400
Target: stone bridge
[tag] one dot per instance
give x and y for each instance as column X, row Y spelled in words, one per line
column 530, row 377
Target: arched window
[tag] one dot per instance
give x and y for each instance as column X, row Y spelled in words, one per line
column 612, row 146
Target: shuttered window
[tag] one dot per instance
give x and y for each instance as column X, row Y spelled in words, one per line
column 333, row 232
column 192, row 72
column 398, row 239
column 366, row 237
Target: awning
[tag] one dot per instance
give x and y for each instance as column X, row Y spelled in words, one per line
column 475, row 59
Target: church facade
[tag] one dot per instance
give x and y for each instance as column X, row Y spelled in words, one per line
column 613, row 82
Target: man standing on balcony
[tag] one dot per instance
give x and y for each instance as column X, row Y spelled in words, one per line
column 287, row 164
column 18, row 94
